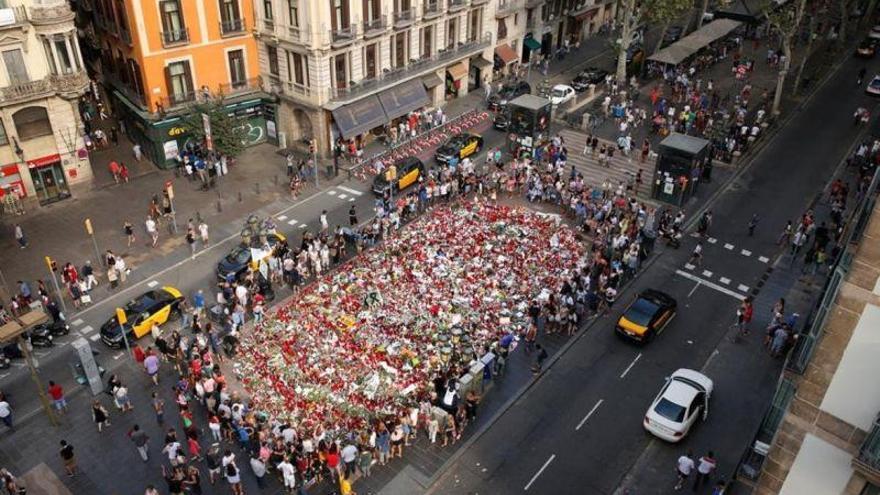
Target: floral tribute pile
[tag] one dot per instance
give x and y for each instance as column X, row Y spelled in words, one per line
column 366, row 340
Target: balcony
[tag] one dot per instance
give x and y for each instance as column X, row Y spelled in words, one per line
column 431, row 9
column 474, row 3
column 456, row 5
column 26, row 91
column 296, row 92
column 14, row 17
column 507, row 7
column 297, row 34
column 375, row 27
column 390, row 77
column 177, row 99
column 534, row 3
column 175, row 38
column 867, row 462
column 55, row 13
column 252, row 85
column 343, row 36
column 269, row 25
column 70, row 85
column 232, row 27
column 404, row 18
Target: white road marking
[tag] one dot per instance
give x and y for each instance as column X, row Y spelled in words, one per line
column 744, row 288
column 351, row 200
column 350, row 190
column 539, row 472
column 86, row 330
column 77, row 322
column 712, row 240
column 728, row 247
column 712, row 285
column 152, row 283
column 745, row 252
column 707, row 274
column 578, row 427
column 4, row 375
column 116, row 357
column 94, row 338
column 689, row 266
column 302, row 225
column 763, row 259
column 709, row 360
column 343, row 196
column 696, row 286
column 633, row 363
column 282, row 218
column 724, row 280
column 331, row 192
column 292, row 221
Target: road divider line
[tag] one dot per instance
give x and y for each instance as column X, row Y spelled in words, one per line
column 86, row 330
column 578, row 427
column 282, row 218
column 152, row 283
column 553, row 456
column 351, row 200
column 350, row 190
column 689, row 266
column 77, row 322
column 343, row 196
column 633, row 363
column 302, row 226
column 331, row 192
column 292, row 222
column 696, row 286
column 710, row 284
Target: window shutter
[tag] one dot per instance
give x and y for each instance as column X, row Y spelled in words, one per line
column 169, row 85
column 190, row 87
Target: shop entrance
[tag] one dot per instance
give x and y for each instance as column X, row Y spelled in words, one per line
column 50, row 184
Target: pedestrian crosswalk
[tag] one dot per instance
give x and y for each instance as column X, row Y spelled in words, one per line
column 620, row 169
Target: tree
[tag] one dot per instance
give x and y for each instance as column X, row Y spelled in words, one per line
column 664, row 12
column 629, row 16
column 845, row 6
column 786, row 20
column 816, row 9
column 227, row 134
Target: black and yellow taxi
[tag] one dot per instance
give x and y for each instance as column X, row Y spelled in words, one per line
column 234, row 265
column 155, row 306
column 459, row 147
column 404, row 174
column 646, row 316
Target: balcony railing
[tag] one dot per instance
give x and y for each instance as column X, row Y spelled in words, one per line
column 298, row 34
column 431, row 9
column 533, row 3
column 25, row 91
column 53, row 13
column 269, row 25
column 343, row 35
column 251, row 85
column 299, row 92
column 404, row 17
column 507, row 7
column 456, row 5
column 868, row 459
column 16, row 16
column 375, row 26
column 177, row 99
column 232, row 27
column 71, row 83
column 415, row 67
column 176, row 37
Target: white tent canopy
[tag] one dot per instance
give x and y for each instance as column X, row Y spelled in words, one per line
column 677, row 52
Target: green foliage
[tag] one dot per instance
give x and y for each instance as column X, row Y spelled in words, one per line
column 227, row 133
column 665, row 11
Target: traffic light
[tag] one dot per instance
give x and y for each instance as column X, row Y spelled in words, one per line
column 313, row 146
column 52, row 264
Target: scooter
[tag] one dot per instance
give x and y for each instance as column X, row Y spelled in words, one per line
column 672, row 237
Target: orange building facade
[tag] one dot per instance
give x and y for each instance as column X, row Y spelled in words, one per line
column 158, row 57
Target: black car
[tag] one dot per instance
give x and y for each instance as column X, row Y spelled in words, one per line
column 157, row 307
column 501, row 121
column 508, row 92
column 236, row 262
column 459, row 147
column 590, row 75
column 409, row 170
column 867, row 48
column 646, row 316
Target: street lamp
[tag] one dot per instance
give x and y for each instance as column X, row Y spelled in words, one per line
column 89, row 230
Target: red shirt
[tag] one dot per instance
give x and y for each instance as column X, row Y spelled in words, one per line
column 56, row 392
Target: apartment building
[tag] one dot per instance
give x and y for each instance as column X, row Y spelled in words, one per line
column 344, row 68
column 552, row 22
column 822, row 433
column 156, row 58
column 42, row 151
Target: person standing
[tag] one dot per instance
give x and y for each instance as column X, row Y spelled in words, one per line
column 57, row 394
column 325, row 225
column 203, row 233
column 151, row 366
column 259, row 469
column 752, row 224
column 191, row 240
column 68, row 458
column 100, row 415
column 539, row 358
column 352, row 217
column 697, row 255
column 159, row 408
column 141, row 441
column 5, row 412
column 705, row 468
column 684, row 466
column 152, row 230
column 128, row 228
column 22, row 240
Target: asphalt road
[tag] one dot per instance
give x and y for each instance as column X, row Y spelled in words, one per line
column 578, row 428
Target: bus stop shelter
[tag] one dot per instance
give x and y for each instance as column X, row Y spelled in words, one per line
column 686, row 47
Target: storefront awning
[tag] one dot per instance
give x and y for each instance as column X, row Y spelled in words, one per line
column 457, row 71
column 404, row 98
column 589, row 14
column 359, row 117
column 505, row 53
column 480, row 62
column 532, row 44
column 432, row 80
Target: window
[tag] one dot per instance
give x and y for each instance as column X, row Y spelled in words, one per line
column 15, row 68
column 474, row 25
column 870, row 489
column 179, row 79
column 32, row 122
column 371, row 68
column 340, row 71
column 123, row 21
column 64, row 59
column 372, row 9
column 267, row 10
column 451, row 32
column 502, row 29
column 4, row 139
column 50, row 57
column 401, row 47
column 293, row 12
column 427, row 41
column 230, row 17
column 237, row 71
column 136, row 82
column 272, row 53
column 172, row 22
column 339, row 17
column 298, row 68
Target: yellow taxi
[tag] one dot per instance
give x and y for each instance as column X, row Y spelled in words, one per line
column 155, row 306
column 407, row 171
column 646, row 316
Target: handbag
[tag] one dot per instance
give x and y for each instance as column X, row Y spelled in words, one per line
column 85, row 299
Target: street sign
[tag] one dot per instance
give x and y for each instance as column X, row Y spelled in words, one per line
column 120, row 316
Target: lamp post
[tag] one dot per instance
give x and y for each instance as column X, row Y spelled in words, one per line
column 89, row 230
column 53, row 267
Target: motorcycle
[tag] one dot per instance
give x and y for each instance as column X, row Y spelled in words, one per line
column 672, row 237
column 44, row 335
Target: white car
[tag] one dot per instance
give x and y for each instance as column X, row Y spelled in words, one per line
column 875, row 32
column 683, row 399
column 874, row 86
column 561, row 94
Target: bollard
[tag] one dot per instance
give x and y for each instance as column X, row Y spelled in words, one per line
column 257, row 187
column 219, row 206
column 239, row 196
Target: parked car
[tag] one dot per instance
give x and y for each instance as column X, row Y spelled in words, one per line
column 590, row 75
column 646, row 316
column 154, row 306
column 874, row 86
column 561, row 93
column 874, row 34
column 683, row 399
column 508, row 92
column 867, row 48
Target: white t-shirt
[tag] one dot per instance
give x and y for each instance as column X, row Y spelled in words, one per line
column 151, row 225
column 5, row 410
column 685, row 465
column 707, row 465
